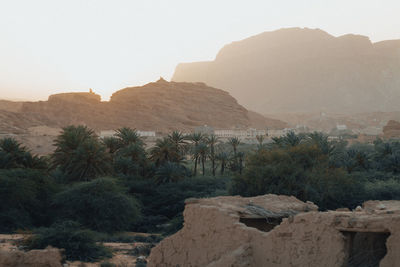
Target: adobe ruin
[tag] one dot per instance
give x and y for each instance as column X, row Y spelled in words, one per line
column 274, row 230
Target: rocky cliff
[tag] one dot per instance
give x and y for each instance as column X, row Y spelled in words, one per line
column 157, row 106
column 304, row 70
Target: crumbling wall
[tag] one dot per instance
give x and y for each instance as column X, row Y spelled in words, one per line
column 50, row 257
column 214, row 236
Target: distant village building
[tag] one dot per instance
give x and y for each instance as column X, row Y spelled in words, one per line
column 204, row 130
column 147, row 133
column 239, row 133
column 341, row 127
column 106, row 133
column 279, row 132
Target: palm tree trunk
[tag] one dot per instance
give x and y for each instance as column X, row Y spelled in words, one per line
column 202, row 162
column 222, row 167
column 213, row 166
column 195, row 166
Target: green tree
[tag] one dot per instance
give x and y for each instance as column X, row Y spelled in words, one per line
column 212, row 141
column 112, row 143
column 101, row 205
column 201, row 153
column 178, row 140
column 169, row 172
column 79, row 154
column 321, row 140
column 14, row 155
column 128, row 136
column 195, row 138
column 164, row 151
column 223, row 158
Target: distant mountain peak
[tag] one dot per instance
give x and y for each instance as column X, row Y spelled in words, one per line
column 304, row 70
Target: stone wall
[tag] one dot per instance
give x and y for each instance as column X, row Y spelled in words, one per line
column 214, row 236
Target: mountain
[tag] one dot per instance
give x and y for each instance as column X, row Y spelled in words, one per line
column 159, row 106
column 304, row 70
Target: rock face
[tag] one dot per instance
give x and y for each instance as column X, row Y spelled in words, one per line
column 158, row 106
column 281, row 231
column 392, row 129
column 304, row 70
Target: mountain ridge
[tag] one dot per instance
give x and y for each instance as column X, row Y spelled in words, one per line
column 158, row 106
column 304, row 70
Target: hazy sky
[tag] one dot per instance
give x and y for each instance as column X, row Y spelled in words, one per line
column 49, row 46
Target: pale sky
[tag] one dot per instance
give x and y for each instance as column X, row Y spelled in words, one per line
column 50, row 46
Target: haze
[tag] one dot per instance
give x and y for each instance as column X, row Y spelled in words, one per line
column 56, row 46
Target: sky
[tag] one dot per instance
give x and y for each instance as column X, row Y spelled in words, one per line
column 52, row 46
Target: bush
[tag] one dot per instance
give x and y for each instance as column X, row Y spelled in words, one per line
column 100, row 205
column 302, row 171
column 107, row 264
column 79, row 244
column 383, row 189
column 25, row 198
column 164, row 204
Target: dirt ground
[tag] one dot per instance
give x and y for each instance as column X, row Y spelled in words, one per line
column 123, row 253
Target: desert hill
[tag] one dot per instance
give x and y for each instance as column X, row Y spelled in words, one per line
column 158, row 106
column 304, row 70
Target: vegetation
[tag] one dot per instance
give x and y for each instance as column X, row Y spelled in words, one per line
column 79, row 244
column 92, row 190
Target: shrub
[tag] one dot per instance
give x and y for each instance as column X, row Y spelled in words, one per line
column 107, row 264
column 163, row 203
column 302, row 171
column 383, row 189
column 100, row 205
column 25, row 198
column 79, row 244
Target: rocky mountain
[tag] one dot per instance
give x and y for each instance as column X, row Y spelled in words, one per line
column 304, row 70
column 158, row 106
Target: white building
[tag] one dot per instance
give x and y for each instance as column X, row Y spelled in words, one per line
column 239, row 133
column 147, row 133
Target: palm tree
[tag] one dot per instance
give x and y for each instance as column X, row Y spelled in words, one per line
column 112, row 143
column 11, row 153
column 79, row 154
column 212, row 141
column 128, row 136
column 131, row 159
column 223, row 158
column 178, row 140
column 201, row 153
column 169, row 172
column 240, row 156
column 164, row 151
column 196, row 138
column 321, row 141
column 234, row 142
column 292, row 139
column 68, row 142
column 89, row 161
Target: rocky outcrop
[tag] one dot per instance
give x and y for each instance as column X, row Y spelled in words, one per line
column 304, row 70
column 159, row 106
column 392, row 129
column 281, row 231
